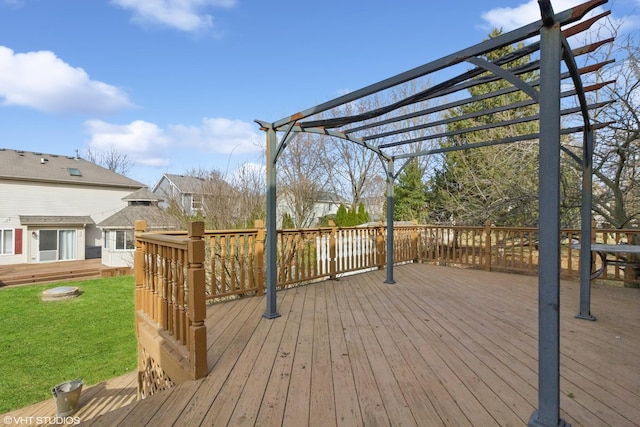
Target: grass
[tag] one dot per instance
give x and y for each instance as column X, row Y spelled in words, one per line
column 43, row 344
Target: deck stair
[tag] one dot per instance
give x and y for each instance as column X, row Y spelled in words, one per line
column 23, row 274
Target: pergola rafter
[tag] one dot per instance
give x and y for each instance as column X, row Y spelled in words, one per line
column 542, row 80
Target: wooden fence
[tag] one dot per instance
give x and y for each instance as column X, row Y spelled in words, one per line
column 178, row 274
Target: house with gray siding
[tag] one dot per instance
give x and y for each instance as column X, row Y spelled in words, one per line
column 51, row 205
column 191, row 195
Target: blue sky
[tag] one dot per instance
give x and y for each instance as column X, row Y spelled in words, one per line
column 176, row 84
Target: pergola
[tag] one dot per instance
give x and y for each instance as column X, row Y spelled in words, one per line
column 563, row 109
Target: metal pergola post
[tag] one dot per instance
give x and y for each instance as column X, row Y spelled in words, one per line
column 585, row 229
column 390, row 203
column 272, row 234
column 548, row 412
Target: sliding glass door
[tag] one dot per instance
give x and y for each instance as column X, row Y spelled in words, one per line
column 56, row 245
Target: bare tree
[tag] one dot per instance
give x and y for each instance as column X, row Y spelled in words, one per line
column 616, row 172
column 352, row 168
column 250, row 185
column 111, row 159
column 302, row 179
column 617, row 150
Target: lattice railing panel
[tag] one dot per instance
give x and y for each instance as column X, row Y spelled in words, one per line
column 151, row 378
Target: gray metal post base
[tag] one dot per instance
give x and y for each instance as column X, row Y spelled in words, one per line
column 271, row 315
column 586, row 316
column 535, row 421
column 390, row 281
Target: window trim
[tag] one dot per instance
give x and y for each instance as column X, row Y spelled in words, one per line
column 125, row 246
column 3, row 231
column 197, row 202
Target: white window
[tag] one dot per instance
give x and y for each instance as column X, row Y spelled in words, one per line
column 124, row 240
column 6, row 242
column 196, row 202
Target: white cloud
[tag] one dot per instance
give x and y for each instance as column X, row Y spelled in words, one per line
column 219, row 135
column 43, row 81
column 144, row 142
column 150, row 145
column 510, row 18
column 184, row 15
column 249, row 169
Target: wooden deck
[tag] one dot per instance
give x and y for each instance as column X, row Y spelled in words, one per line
column 95, row 400
column 442, row 346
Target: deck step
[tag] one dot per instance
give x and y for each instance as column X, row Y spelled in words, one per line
column 24, row 277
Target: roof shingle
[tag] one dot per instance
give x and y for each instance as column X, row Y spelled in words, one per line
column 40, row 167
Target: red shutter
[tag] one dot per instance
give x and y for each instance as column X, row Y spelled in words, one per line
column 18, row 249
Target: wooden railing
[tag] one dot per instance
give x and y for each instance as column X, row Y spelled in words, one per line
column 513, row 249
column 235, row 262
column 170, row 308
column 317, row 253
column 178, row 273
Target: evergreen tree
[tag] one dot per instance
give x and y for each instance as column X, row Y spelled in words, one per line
column 341, row 216
column 363, row 215
column 410, row 198
column 287, row 221
column 347, row 217
column 498, row 182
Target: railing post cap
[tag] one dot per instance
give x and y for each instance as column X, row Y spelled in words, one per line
column 196, row 228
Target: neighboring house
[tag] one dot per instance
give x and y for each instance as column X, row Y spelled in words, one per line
column 191, row 194
column 118, row 247
column 325, row 203
column 51, row 205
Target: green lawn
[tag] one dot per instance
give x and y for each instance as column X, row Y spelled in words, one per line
column 45, row 343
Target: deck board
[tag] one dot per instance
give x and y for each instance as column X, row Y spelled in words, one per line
column 369, row 328
column 345, row 393
column 440, row 347
column 95, row 400
column 273, row 403
column 433, row 346
column 254, row 380
column 369, row 397
column 322, row 411
column 403, row 370
column 228, row 351
column 298, row 397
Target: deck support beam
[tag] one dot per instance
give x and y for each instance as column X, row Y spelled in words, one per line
column 548, row 412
